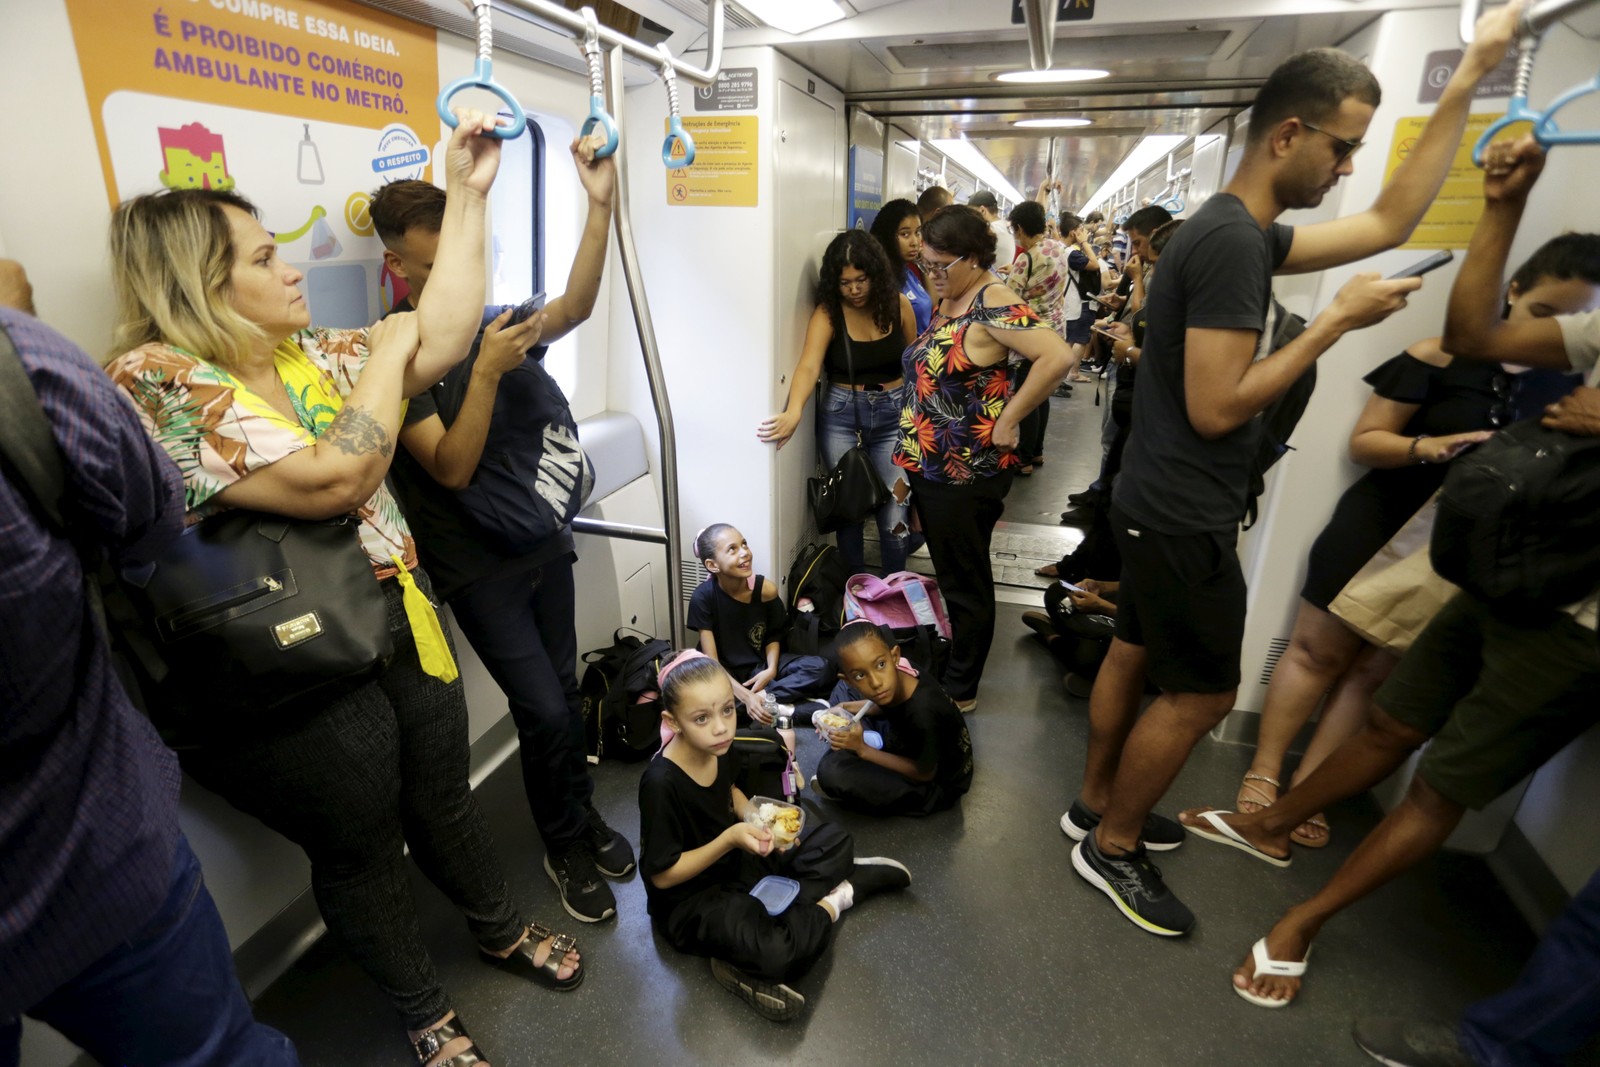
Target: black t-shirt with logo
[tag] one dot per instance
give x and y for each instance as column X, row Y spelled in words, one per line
column 742, row 631
column 1216, row 273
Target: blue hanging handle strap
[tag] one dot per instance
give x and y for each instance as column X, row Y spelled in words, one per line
column 482, row 77
column 597, row 87
column 675, row 130
column 1545, row 130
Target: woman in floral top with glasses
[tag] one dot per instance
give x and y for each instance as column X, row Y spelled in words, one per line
column 960, row 424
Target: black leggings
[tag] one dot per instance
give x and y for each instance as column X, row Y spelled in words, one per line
column 863, row 786
column 959, row 521
column 729, row 924
column 353, row 783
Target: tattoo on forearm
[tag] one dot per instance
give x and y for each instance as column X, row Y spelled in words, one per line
column 356, row 433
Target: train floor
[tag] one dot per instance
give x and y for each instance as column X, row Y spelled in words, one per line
column 997, row 954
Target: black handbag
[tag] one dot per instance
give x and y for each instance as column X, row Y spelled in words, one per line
column 251, row 612
column 853, row 490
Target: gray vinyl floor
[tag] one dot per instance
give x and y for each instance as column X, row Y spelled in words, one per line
column 998, row 954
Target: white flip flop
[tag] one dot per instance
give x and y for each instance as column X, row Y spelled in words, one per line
column 1223, row 834
column 1280, row 968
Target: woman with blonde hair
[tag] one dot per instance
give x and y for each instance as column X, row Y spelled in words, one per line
column 260, row 411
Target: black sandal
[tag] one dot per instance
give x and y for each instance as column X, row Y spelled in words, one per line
column 428, row 1045
column 547, row 973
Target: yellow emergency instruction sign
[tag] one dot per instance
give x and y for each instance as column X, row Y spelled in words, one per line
column 1455, row 212
column 726, row 163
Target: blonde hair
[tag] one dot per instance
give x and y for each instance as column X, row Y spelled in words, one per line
column 172, row 259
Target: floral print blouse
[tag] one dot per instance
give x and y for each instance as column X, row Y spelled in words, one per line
column 1040, row 276
column 952, row 403
column 217, row 431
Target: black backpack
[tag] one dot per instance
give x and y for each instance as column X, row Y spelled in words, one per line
column 816, row 599
column 1281, row 416
column 1518, row 520
column 621, row 706
column 533, row 476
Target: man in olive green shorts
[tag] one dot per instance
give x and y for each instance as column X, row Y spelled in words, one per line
column 1498, row 693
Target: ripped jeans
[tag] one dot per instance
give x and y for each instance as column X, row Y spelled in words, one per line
column 878, row 413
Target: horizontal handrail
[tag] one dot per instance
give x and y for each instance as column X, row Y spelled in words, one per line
column 572, row 22
column 621, row 531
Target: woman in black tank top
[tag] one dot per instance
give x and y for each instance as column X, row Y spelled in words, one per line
column 857, row 334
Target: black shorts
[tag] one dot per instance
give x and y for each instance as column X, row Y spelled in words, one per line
column 1183, row 598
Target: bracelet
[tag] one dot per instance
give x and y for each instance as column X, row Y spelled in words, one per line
column 1411, row 453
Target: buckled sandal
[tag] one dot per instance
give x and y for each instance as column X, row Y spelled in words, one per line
column 1252, row 794
column 428, row 1045
column 547, row 973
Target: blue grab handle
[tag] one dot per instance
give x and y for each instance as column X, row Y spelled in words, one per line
column 1173, row 206
column 676, row 132
column 1516, row 111
column 482, row 78
column 598, row 117
column 1547, row 133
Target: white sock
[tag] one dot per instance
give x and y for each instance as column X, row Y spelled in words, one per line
column 842, row 898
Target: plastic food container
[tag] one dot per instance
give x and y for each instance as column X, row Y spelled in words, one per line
column 772, row 814
column 775, row 893
column 833, row 722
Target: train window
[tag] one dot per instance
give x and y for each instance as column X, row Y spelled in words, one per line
column 527, row 234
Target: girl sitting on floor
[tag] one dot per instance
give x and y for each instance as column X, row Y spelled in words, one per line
column 742, row 622
column 925, row 762
column 700, row 859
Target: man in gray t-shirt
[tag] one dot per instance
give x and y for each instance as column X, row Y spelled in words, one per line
column 1203, row 380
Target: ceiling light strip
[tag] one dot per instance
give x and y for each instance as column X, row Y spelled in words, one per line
column 968, row 155
column 1152, row 148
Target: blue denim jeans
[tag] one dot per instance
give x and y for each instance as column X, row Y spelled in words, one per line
column 166, row 997
column 1554, row 1009
column 878, row 414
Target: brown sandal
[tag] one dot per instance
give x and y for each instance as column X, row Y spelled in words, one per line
column 1249, row 794
column 547, row 973
column 428, row 1045
column 1301, row 838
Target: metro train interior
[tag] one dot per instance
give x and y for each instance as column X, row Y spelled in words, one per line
column 808, row 116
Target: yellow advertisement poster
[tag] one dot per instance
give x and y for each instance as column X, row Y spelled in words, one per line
column 725, row 163
column 1454, row 214
column 302, row 106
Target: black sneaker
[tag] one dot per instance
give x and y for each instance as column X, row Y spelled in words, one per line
column 613, row 856
column 773, row 1000
column 1134, row 885
column 1410, row 1043
column 1084, row 499
column 1159, row 834
column 584, row 893
column 878, row 874
column 1082, row 515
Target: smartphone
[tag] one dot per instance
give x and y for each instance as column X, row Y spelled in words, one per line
column 1097, row 328
column 1421, row 267
column 1074, row 588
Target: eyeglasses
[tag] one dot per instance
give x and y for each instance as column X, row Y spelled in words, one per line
column 1346, row 149
column 937, row 268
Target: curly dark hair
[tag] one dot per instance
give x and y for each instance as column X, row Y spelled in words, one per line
column 886, row 228
column 856, row 248
column 960, row 231
column 1572, row 255
column 1028, row 217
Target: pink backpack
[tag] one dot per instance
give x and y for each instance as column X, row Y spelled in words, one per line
column 902, row 599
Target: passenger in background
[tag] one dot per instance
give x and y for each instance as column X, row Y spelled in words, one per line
column 513, row 598
column 1498, row 692
column 260, row 411
column 924, row 763
column 705, row 846
column 1076, row 628
column 1426, row 408
column 1005, row 247
column 742, row 622
column 898, row 229
column 1204, row 377
column 961, row 424
column 107, row 930
column 934, row 199
column 1041, row 274
column 861, row 325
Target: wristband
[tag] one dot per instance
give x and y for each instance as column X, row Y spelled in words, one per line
column 1411, row 453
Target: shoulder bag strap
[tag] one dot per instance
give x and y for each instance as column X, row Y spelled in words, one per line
column 850, row 368
column 27, row 445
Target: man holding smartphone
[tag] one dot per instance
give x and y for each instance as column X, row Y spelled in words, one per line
column 516, row 607
column 1204, row 376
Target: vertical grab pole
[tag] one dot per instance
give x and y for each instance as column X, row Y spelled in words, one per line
column 672, row 522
